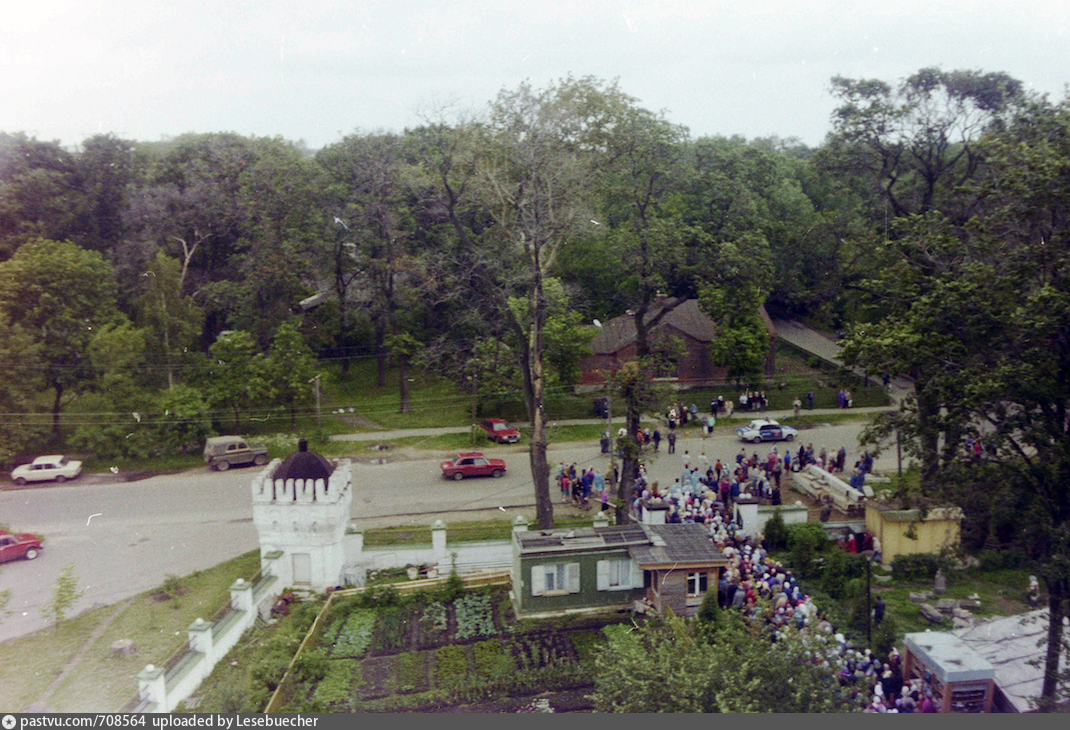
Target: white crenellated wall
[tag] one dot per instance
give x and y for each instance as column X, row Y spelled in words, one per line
column 306, row 522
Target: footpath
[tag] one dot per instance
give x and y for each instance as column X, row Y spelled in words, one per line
column 795, row 333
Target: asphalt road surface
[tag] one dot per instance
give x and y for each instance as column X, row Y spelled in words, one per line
column 127, row 537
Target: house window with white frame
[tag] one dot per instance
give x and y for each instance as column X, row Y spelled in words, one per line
column 697, row 583
column 555, row 579
column 618, row 575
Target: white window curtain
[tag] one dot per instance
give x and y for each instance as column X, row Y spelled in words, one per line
column 555, row 578
column 618, row 575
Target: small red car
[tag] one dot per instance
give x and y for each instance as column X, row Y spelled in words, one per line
column 13, row 547
column 472, row 464
column 499, row 430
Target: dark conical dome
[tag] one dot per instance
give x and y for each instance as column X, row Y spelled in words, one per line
column 304, row 464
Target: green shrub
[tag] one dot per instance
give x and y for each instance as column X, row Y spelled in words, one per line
column 392, row 629
column 450, row 666
column 805, row 541
column 776, row 532
column 333, row 691
column 1012, row 558
column 411, row 671
column 435, row 617
column 311, row 666
column 475, row 616
column 269, row 669
column 587, row 643
column 917, row 566
column 452, row 589
column 840, row 569
column 491, row 660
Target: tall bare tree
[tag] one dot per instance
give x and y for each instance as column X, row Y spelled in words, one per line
column 536, row 184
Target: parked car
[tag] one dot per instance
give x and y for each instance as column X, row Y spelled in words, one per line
column 13, row 547
column 46, row 469
column 223, row 452
column 758, row 431
column 499, row 430
column 472, row 464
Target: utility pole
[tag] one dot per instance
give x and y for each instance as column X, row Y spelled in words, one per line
column 316, row 382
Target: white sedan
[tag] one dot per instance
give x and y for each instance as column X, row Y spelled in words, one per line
column 758, row 431
column 46, row 469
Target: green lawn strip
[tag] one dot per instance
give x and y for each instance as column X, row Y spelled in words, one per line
column 101, row 680
column 1001, row 593
column 476, row 531
column 29, row 664
column 434, row 401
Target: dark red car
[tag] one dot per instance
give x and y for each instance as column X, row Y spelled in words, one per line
column 499, row 430
column 472, row 464
column 13, row 547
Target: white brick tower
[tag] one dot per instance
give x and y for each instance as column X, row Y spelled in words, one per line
column 301, row 512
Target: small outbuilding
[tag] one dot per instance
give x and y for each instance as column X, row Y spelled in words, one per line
column 911, row 531
column 960, row 679
column 614, row 567
column 1013, row 646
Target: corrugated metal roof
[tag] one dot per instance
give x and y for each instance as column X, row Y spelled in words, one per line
column 1009, row 645
column 581, row 538
column 686, row 544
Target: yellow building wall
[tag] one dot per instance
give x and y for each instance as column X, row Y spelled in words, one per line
column 939, row 530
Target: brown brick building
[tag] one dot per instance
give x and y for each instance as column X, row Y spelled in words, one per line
column 614, row 345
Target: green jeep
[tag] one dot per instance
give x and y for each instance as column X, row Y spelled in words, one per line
column 223, row 452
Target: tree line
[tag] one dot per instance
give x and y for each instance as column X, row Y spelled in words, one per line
column 188, row 276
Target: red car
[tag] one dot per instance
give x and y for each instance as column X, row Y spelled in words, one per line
column 472, row 464
column 499, row 430
column 13, row 547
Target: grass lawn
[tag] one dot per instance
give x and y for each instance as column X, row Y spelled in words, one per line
column 458, row 532
column 1002, row 593
column 103, row 681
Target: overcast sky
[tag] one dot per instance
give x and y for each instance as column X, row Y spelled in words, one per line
column 316, row 70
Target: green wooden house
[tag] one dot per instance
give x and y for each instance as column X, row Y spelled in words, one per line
column 634, row 567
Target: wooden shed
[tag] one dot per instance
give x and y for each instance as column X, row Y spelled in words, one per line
column 614, row 567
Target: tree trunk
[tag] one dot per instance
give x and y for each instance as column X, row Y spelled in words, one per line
column 628, row 465
column 380, row 355
column 534, row 389
column 1056, row 609
column 928, row 435
column 342, row 335
column 404, row 367
column 56, row 410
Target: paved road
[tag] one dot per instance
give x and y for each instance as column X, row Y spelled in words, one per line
column 125, row 538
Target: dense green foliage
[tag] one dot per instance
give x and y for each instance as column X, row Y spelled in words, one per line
column 729, row 666
column 151, row 293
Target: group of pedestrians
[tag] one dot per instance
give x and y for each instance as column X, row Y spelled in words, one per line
column 765, row 591
column 577, row 485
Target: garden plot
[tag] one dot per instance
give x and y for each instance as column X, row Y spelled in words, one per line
column 421, row 653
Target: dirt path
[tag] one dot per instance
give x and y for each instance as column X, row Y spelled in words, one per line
column 40, row 705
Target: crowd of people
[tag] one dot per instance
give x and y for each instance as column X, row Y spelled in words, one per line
column 706, row 493
column 764, row 590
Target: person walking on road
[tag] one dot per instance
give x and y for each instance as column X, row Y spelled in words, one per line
column 672, row 442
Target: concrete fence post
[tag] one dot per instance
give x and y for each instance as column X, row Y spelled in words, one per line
column 152, row 685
